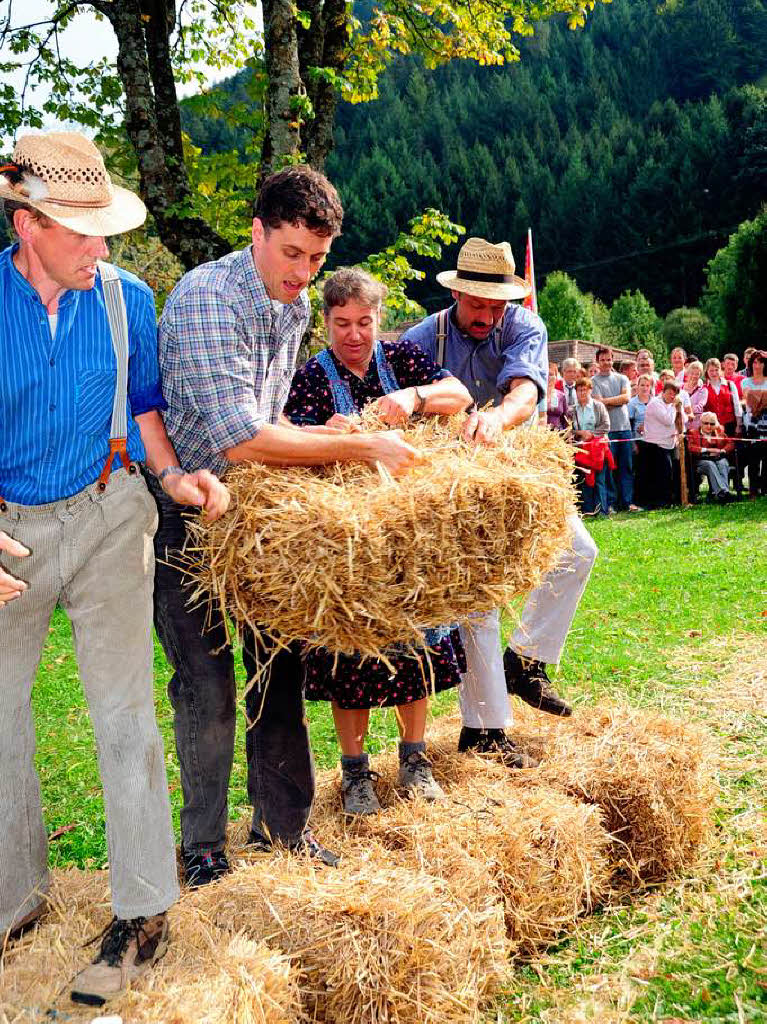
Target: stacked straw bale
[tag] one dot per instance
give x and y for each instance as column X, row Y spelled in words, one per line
column 348, row 558
column 544, row 852
column 500, row 835
column 372, row 942
column 653, row 777
column 418, row 922
column 208, row 976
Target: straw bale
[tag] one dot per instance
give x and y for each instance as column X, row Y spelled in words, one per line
column 544, row 854
column 654, row 778
column 372, row 942
column 348, row 558
column 207, row 977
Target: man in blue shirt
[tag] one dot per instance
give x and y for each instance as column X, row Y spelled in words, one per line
column 499, row 351
column 80, row 405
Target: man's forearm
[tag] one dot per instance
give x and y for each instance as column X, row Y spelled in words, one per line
column 277, row 445
column 160, row 453
column 444, row 397
column 518, row 404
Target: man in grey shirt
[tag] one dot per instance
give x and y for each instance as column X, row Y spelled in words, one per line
column 614, row 390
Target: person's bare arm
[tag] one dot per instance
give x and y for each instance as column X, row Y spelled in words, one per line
column 201, row 488
column 518, row 405
column 275, row 445
column 441, row 398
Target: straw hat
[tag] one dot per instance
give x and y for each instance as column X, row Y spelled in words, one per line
column 485, row 270
column 62, row 174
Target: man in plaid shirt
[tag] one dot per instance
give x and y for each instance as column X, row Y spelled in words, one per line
column 229, row 336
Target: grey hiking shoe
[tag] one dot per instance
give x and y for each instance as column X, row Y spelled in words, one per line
column 128, row 950
column 416, row 778
column 357, row 790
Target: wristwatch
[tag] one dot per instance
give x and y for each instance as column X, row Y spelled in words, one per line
column 171, row 471
column 421, row 400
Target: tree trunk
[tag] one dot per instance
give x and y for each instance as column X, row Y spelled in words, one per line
column 318, row 135
column 153, row 126
column 283, row 137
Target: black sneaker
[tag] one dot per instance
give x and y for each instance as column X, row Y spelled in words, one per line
column 307, row 844
column 128, row 950
column 526, row 678
column 495, row 743
column 204, row 866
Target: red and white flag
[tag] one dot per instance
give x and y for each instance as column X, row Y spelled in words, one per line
column 531, row 302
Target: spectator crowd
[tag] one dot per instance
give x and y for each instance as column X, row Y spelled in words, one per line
column 628, row 420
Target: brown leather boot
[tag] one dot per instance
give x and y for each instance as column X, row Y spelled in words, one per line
column 527, row 679
column 128, row 950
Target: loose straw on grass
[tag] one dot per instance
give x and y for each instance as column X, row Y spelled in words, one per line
column 350, row 559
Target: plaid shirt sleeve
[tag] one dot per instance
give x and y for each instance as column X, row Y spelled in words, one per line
column 220, row 371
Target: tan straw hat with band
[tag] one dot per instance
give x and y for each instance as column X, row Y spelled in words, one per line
column 486, row 271
column 62, row 175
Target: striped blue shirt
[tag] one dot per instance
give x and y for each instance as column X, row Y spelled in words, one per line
column 56, row 394
column 227, row 356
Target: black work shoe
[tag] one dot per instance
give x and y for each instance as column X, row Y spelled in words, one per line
column 128, row 950
column 526, row 678
column 307, row 844
column 495, row 743
column 204, row 866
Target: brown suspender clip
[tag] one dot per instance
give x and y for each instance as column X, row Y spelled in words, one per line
column 117, row 446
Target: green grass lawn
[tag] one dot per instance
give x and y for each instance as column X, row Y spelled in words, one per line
column 670, row 595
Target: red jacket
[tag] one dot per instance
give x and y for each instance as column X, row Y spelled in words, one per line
column 721, row 403
column 737, row 380
column 591, row 455
column 696, row 441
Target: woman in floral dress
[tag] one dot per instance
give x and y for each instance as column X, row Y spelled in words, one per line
column 401, row 379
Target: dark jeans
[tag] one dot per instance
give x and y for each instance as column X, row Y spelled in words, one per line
column 641, row 473
column 620, row 483
column 661, row 476
column 756, row 456
column 594, row 499
column 202, row 692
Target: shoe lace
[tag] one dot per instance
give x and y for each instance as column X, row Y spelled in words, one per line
column 498, row 740
column 358, row 776
column 418, row 765
column 115, row 938
column 536, row 670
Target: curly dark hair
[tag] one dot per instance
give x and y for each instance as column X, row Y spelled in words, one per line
column 299, row 195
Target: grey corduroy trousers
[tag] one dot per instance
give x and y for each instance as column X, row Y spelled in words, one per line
column 93, row 555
